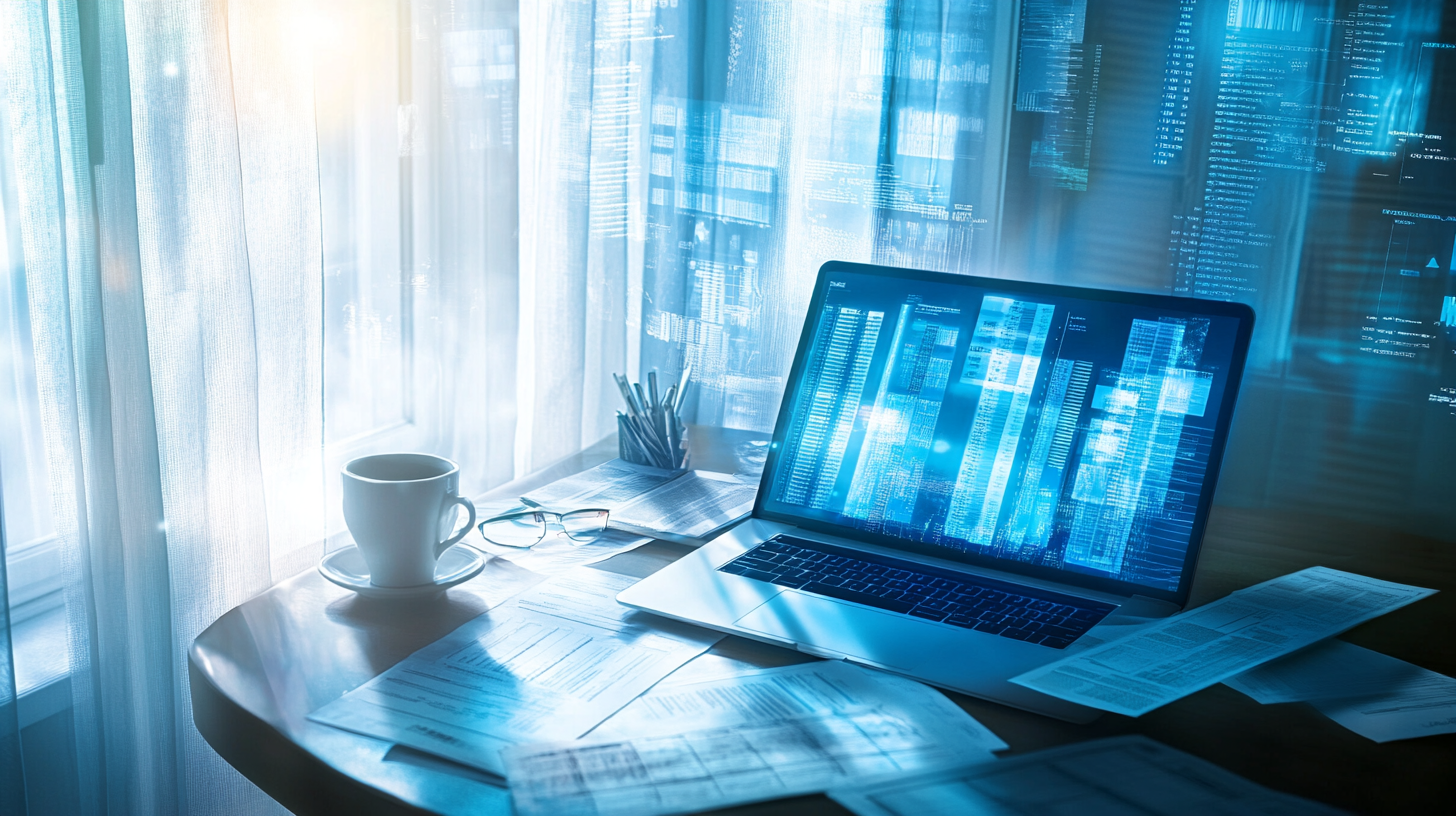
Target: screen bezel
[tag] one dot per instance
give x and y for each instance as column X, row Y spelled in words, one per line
column 1212, row 308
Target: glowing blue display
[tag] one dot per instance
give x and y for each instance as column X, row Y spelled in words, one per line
column 1049, row 430
column 1294, row 156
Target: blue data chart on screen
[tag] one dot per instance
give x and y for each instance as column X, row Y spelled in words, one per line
column 1055, row 431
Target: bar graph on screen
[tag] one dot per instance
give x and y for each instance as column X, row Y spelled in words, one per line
column 1054, row 431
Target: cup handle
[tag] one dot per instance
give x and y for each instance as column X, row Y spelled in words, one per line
column 455, row 539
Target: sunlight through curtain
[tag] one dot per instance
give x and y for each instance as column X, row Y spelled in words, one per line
column 257, row 239
column 251, row 241
column 167, row 185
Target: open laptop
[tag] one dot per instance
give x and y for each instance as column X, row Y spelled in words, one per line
column 969, row 475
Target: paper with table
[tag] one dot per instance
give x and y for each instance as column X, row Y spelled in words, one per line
column 1192, row 650
column 755, row 697
column 609, row 485
column 549, row 664
column 692, row 504
column 557, row 553
column 716, row 767
column 1374, row 695
column 752, row 734
column 1109, row 777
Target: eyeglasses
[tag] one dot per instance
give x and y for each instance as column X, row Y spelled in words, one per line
column 526, row 528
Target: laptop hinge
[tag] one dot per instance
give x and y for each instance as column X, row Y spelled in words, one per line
column 1143, row 606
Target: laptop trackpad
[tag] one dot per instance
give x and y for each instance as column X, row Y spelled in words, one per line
column 848, row 629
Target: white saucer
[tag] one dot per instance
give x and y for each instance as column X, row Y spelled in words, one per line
column 346, row 568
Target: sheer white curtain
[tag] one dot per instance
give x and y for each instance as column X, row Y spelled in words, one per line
column 166, row 176
column 575, row 326
column 256, row 239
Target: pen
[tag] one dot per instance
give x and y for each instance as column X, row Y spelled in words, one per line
column 682, row 384
column 626, row 392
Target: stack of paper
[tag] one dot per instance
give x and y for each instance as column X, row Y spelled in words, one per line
column 1192, row 650
column 549, row 664
column 608, row 485
column 1374, row 695
column 693, row 504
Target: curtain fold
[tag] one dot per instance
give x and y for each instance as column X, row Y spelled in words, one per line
column 272, row 86
column 167, row 182
column 462, row 155
column 57, row 213
column 556, row 107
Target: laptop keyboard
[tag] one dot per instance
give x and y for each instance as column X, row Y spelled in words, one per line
column 970, row 602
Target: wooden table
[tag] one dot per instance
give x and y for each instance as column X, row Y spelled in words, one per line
column 260, row 669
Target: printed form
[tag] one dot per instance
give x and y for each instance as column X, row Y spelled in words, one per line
column 549, row 664
column 694, row 504
column 1192, row 650
column 1374, row 695
column 755, row 697
column 607, row 486
column 558, row 553
column 715, row 767
column 1107, row 777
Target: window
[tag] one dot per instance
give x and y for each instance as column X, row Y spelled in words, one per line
column 363, row 117
column 416, row 130
column 32, row 550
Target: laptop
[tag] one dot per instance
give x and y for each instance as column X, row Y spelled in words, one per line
column 971, row 476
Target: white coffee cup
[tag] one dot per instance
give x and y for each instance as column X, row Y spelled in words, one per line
column 400, row 508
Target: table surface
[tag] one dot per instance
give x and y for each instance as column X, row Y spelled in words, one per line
column 260, row 669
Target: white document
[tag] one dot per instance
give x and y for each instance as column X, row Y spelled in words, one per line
column 694, row 505
column 707, row 667
column 769, row 696
column 1108, row 632
column 1418, row 708
column 649, row 501
column 557, row 553
column 1110, row 777
column 1192, row 650
column 1374, row 695
column 1330, row 669
column 549, row 664
column 606, row 486
column 711, row 768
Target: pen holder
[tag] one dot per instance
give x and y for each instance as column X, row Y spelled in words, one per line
column 650, row 432
column 628, row 450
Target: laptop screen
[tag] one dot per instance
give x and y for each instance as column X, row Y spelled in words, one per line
column 1043, row 429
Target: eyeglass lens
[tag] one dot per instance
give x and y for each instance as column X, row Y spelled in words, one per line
column 528, row 529
column 583, row 525
column 523, row 530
